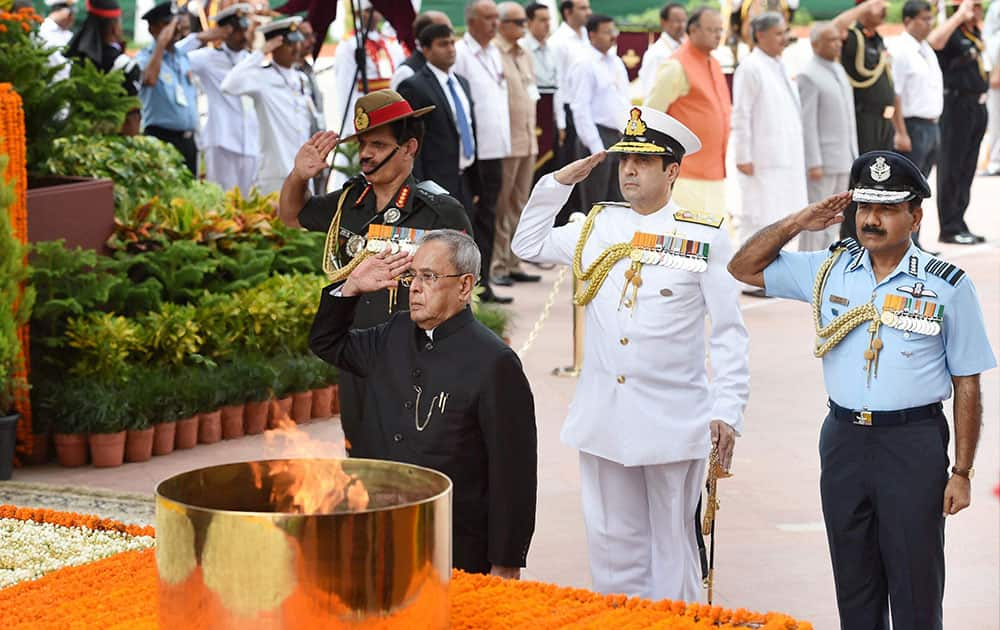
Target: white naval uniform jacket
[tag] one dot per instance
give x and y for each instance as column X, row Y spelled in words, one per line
column 644, row 395
column 284, row 109
column 231, row 124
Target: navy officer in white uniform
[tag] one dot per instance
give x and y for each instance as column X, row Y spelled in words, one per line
column 646, row 413
column 899, row 331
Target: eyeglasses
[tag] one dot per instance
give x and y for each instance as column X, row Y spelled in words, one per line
column 426, row 277
column 519, row 21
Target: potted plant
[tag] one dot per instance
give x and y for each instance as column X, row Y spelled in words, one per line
column 322, row 389
column 163, row 409
column 209, row 396
column 300, row 381
column 281, row 404
column 231, row 391
column 187, row 401
column 15, row 304
column 106, row 413
column 139, row 433
column 61, row 403
column 258, row 389
column 332, row 376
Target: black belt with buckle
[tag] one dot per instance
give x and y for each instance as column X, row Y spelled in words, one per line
column 885, row 418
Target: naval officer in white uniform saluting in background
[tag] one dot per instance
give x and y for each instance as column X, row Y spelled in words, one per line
column 646, row 414
column 281, row 96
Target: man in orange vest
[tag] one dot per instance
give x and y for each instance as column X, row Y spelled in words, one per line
column 691, row 88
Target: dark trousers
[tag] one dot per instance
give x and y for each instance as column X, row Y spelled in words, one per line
column 602, row 183
column 351, row 395
column 925, row 142
column 882, row 491
column 963, row 124
column 484, row 218
column 875, row 133
column 569, row 151
column 183, row 141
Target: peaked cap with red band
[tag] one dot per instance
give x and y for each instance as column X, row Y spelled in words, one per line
column 108, row 9
column 381, row 108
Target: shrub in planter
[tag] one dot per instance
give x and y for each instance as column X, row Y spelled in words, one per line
column 140, row 393
column 323, row 391
column 300, row 379
column 208, row 396
column 332, row 376
column 231, row 388
column 188, row 401
column 258, row 383
column 64, row 404
column 107, row 414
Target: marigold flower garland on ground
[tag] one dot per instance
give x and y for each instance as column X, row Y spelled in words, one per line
column 121, row 592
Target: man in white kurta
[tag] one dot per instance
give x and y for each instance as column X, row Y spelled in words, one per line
column 673, row 21
column 767, row 132
column 231, row 135
column 646, row 413
column 570, row 44
column 56, row 29
column 281, row 98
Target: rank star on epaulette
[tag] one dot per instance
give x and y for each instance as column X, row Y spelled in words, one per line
column 700, row 217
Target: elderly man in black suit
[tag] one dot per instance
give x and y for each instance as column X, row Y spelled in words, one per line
column 448, row 156
column 449, row 394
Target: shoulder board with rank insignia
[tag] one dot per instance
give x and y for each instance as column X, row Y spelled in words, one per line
column 944, row 270
column 700, row 217
column 851, row 245
column 605, row 204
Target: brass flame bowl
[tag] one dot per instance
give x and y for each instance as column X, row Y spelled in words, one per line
column 227, row 559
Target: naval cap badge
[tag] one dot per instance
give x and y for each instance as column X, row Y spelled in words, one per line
column 880, row 170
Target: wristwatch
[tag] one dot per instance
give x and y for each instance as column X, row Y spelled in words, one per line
column 968, row 473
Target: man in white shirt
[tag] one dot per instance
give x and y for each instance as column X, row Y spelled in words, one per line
column 231, row 135
column 55, row 28
column 570, row 43
column 673, row 21
column 599, row 100
column 828, row 125
column 767, row 132
column 646, row 413
column 478, row 60
column 543, row 56
column 991, row 35
column 919, row 85
column 281, row 98
column 416, row 61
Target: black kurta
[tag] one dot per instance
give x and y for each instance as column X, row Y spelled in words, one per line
column 459, row 404
column 425, row 206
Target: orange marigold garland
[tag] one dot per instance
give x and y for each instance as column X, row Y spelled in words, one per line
column 122, row 591
column 12, row 142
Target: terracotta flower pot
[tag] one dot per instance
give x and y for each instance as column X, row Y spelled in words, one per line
column 139, row 444
column 255, row 417
column 335, row 407
column 107, row 450
column 322, row 406
column 71, row 449
column 39, row 449
column 210, row 427
column 232, row 421
column 302, row 406
column 281, row 409
column 164, row 435
column 187, row 433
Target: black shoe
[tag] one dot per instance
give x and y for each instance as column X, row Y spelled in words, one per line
column 979, row 239
column 543, row 266
column 520, row 276
column 759, row 293
column 489, row 296
column 963, row 238
column 502, row 281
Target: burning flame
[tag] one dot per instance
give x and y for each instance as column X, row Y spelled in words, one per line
column 310, row 482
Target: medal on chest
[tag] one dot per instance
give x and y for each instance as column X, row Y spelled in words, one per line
column 672, row 251
column 397, row 239
column 912, row 314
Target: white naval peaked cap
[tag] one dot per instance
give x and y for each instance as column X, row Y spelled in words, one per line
column 287, row 27
column 59, row 3
column 240, row 9
column 652, row 132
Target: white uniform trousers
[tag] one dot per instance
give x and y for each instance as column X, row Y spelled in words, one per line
column 640, row 524
column 229, row 169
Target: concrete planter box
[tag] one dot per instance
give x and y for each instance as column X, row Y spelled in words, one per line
column 78, row 209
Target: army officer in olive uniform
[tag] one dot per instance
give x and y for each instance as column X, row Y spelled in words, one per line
column 389, row 134
column 443, row 392
column 899, row 331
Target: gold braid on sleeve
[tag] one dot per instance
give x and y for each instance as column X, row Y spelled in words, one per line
column 833, row 333
column 331, row 247
column 595, row 274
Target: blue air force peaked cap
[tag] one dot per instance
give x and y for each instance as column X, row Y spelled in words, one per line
column 887, row 177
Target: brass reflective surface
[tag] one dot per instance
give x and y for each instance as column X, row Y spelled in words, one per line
column 227, row 560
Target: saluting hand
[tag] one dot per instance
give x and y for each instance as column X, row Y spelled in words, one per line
column 578, row 171
column 957, row 495
column 166, row 36
column 311, row 158
column 723, row 437
column 273, row 44
column 822, row 214
column 377, row 272
column 967, row 10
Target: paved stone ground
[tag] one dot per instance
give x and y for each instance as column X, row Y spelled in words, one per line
column 772, row 552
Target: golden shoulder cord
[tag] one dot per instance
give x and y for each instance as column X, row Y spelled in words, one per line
column 859, row 64
column 330, row 247
column 597, row 272
column 835, row 332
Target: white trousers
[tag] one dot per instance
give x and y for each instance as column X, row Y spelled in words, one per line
column 993, row 109
column 640, row 524
column 229, row 169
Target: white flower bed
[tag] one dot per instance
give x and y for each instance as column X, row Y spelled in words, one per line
column 29, row 550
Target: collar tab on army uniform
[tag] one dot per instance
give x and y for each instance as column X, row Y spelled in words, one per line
column 361, row 197
column 944, row 270
column 403, row 196
column 701, row 217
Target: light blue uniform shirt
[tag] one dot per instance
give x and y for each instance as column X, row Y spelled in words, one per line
column 173, row 102
column 913, row 369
